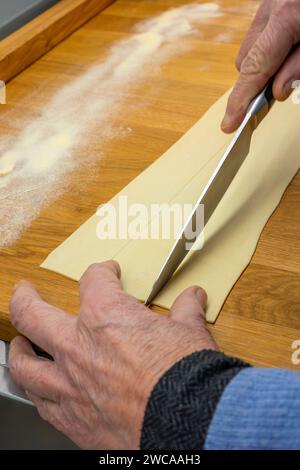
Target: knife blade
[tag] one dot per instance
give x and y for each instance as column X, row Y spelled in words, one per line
column 219, row 182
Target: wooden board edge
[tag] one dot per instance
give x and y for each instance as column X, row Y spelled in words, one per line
column 19, row 50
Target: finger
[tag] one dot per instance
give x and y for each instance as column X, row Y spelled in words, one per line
column 260, row 64
column 258, row 25
column 286, row 77
column 189, row 309
column 100, row 286
column 31, row 373
column 37, row 320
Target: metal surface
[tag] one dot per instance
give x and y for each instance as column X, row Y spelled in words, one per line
column 3, row 353
column 215, row 189
column 16, row 13
column 20, row 424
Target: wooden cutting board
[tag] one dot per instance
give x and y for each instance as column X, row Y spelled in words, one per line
column 27, row 44
column 260, row 318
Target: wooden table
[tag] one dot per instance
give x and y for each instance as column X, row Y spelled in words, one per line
column 261, row 317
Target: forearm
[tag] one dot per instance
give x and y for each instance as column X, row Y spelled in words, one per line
column 209, row 400
column 260, row 409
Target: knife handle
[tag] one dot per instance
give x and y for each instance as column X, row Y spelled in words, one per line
column 260, row 106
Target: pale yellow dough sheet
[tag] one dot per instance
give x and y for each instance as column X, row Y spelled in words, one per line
column 179, row 176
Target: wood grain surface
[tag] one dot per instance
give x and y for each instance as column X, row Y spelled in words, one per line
column 32, row 41
column 261, row 317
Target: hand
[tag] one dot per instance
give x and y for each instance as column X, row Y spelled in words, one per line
column 268, row 49
column 106, row 361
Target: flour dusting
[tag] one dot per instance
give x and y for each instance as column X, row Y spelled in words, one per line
column 34, row 167
column 224, row 37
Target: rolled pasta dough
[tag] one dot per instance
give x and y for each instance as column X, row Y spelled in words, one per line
column 179, row 176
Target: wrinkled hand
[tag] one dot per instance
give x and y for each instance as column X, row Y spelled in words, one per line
column 106, row 361
column 269, row 47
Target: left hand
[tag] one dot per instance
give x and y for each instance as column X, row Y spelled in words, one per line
column 106, row 361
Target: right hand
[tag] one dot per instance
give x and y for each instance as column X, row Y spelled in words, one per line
column 267, row 49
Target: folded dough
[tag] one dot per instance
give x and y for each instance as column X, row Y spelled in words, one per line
column 178, row 177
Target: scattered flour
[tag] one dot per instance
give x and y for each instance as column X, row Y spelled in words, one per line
column 37, row 161
column 223, row 37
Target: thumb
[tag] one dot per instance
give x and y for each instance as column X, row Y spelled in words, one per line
column 189, row 307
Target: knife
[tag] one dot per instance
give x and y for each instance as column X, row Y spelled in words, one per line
column 216, row 187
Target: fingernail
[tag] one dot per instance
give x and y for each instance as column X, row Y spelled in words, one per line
column 288, row 88
column 15, row 287
column 201, row 296
column 226, row 122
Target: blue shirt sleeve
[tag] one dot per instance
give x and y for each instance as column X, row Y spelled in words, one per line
column 259, row 409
